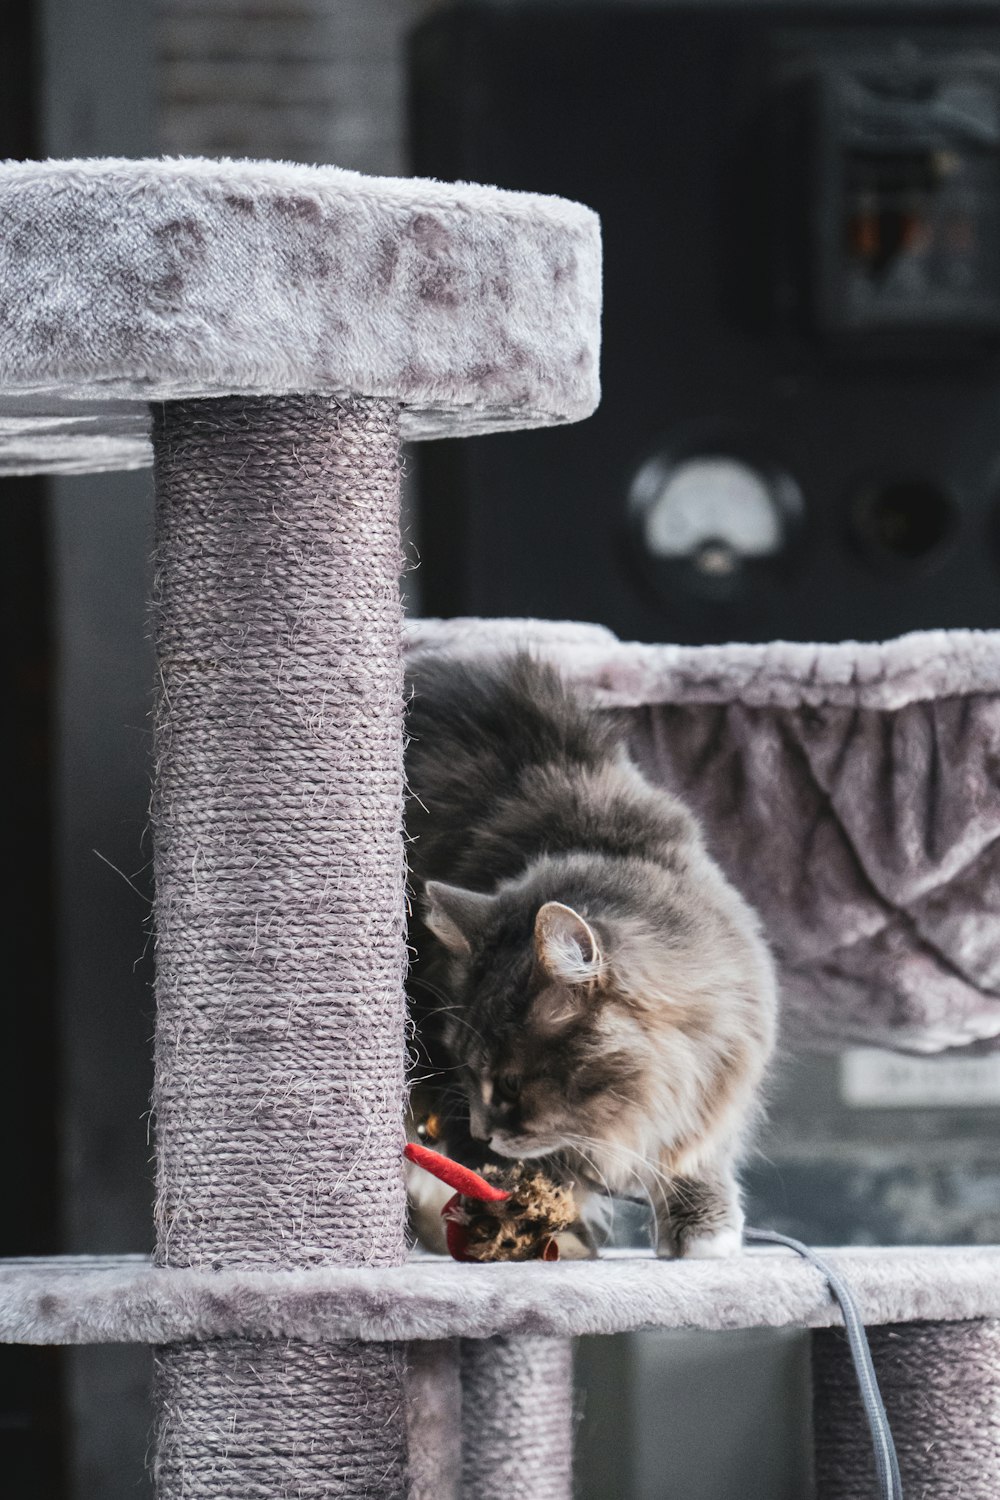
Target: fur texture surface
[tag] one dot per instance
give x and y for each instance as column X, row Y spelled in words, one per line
column 851, row 792
column 125, row 282
column 886, row 675
column 130, row 1301
column 589, row 989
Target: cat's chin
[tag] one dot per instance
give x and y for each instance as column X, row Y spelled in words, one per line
column 519, row 1149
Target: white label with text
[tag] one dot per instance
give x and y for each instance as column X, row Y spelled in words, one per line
column 873, row 1079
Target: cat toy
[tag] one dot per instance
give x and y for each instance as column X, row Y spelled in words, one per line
column 507, row 1213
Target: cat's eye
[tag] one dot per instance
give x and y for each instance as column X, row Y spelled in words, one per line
column 509, row 1087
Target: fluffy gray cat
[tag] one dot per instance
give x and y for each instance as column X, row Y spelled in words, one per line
column 588, row 987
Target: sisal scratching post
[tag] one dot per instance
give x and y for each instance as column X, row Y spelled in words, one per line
column 434, row 1418
column 941, row 1387
column 280, row 924
column 517, row 1419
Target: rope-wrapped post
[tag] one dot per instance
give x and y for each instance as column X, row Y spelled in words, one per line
column 517, row 1418
column 941, row 1387
column 434, row 1418
column 280, row 923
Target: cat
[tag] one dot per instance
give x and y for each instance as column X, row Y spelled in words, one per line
column 588, row 988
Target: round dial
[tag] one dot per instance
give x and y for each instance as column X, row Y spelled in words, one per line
column 714, row 511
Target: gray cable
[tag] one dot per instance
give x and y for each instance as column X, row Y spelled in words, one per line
column 886, row 1463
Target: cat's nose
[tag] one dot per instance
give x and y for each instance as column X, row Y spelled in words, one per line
column 504, row 1144
column 480, row 1126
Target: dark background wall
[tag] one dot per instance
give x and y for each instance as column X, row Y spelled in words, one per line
column 31, row 1435
column 799, row 272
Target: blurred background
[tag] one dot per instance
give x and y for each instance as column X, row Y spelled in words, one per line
column 798, row 439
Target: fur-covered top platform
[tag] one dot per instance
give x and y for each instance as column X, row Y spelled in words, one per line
column 474, row 308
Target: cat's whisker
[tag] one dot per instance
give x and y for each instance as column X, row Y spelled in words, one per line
column 605, row 1225
column 436, row 1071
column 640, row 1181
column 453, row 1096
column 586, row 1148
column 594, row 1167
column 460, row 1020
column 643, row 1171
column 416, row 981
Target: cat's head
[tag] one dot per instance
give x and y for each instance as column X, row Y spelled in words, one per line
column 610, row 1034
column 547, row 1055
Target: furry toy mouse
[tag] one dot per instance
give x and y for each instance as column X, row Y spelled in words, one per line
column 508, row 1213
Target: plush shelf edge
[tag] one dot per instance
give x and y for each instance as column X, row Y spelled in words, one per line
column 128, row 1300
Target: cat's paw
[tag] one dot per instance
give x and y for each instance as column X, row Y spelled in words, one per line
column 714, row 1244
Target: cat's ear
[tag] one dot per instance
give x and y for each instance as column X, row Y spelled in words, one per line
column 566, row 945
column 456, row 917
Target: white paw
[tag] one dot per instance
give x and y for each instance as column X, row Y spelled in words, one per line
column 720, row 1244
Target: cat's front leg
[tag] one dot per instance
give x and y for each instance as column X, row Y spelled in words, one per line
column 700, row 1218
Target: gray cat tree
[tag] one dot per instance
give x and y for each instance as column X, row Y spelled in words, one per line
column 275, row 330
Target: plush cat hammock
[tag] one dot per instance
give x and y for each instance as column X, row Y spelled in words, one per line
column 284, row 325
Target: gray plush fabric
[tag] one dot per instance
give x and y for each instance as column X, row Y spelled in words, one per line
column 91, row 1301
column 852, row 792
column 125, row 282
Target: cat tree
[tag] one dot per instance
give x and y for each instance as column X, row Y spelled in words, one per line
column 284, row 326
